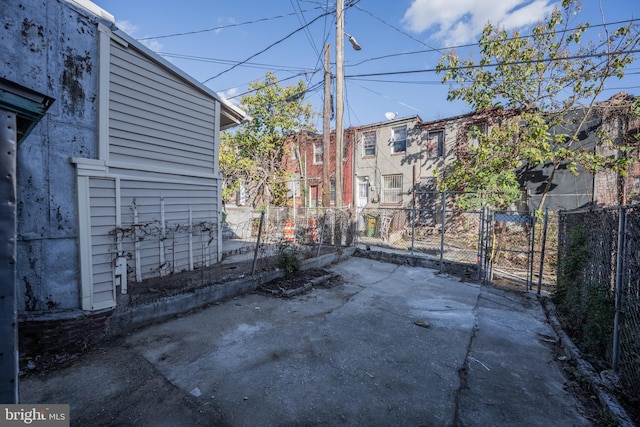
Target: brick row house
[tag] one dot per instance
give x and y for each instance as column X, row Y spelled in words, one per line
column 382, row 161
column 304, row 160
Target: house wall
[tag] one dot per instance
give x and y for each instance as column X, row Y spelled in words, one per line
column 314, row 172
column 373, row 168
column 153, row 119
column 126, row 128
column 51, row 48
column 157, row 165
column 569, row 190
column 420, row 157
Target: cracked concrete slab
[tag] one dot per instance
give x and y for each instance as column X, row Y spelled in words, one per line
column 388, row 345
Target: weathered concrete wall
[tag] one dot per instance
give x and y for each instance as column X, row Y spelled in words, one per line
column 238, row 222
column 52, row 48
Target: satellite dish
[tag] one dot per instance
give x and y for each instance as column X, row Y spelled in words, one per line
column 390, row 116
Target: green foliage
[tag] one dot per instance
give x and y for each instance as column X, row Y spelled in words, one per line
column 289, row 257
column 541, row 78
column 253, row 152
column 586, row 308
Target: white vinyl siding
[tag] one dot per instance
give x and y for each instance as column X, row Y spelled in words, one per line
column 103, row 215
column 156, row 119
column 157, row 251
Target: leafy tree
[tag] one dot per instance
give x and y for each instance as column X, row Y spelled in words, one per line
column 253, row 152
column 545, row 78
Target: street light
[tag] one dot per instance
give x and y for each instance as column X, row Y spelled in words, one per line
column 353, row 41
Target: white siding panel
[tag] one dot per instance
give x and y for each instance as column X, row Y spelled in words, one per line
column 147, row 73
column 172, row 127
column 102, row 202
column 149, row 198
column 156, row 118
column 123, row 134
column 160, row 158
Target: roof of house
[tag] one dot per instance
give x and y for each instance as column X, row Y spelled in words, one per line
column 230, row 115
column 393, row 121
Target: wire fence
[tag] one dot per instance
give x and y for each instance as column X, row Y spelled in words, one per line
column 507, row 248
column 598, row 289
column 504, row 248
column 307, row 231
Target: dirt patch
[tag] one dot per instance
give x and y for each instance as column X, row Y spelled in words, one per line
column 300, row 282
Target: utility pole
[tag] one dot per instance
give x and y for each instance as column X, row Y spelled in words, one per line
column 339, row 97
column 326, row 130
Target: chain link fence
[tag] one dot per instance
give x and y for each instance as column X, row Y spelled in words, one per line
column 268, row 233
column 504, row 248
column 598, row 289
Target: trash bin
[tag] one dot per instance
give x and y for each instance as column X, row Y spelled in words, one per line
column 371, row 223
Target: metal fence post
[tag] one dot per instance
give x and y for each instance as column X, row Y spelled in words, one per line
column 324, row 221
column 255, row 254
column 442, row 230
column 413, row 223
column 542, row 249
column 480, row 243
column 413, row 210
column 532, row 249
column 620, row 261
column 488, row 252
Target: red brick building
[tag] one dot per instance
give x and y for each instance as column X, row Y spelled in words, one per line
column 304, row 161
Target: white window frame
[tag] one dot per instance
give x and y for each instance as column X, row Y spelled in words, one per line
column 398, row 137
column 318, row 153
column 369, row 142
column 439, row 135
column 332, row 191
column 392, row 189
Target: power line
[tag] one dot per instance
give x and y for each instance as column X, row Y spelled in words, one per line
column 422, row 82
column 222, row 27
column 303, row 21
column 229, row 62
column 530, row 61
column 449, row 48
column 398, row 29
column 271, row 84
column 265, row 49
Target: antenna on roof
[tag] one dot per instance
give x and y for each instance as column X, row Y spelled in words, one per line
column 390, row 116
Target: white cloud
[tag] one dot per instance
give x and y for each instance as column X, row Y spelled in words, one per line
column 152, row 44
column 132, row 29
column 461, row 21
column 227, row 94
column 222, row 22
column 127, row 27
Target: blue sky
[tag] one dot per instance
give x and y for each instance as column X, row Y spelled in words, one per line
column 399, row 35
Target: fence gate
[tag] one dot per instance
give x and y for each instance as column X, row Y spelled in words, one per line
column 506, row 250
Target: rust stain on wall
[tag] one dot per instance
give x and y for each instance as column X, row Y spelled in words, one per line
column 75, row 68
column 32, row 35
